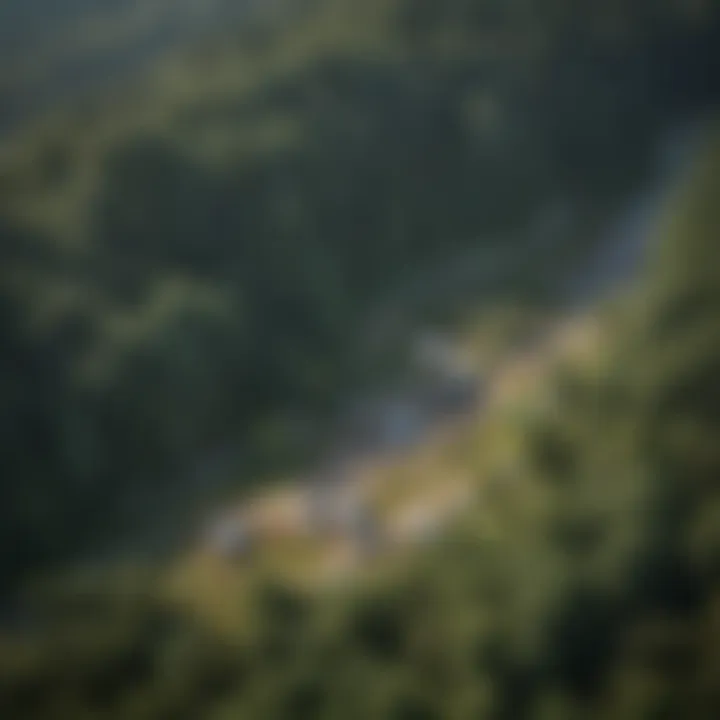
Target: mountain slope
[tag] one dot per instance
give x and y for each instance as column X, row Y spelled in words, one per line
column 583, row 584
column 194, row 259
column 64, row 51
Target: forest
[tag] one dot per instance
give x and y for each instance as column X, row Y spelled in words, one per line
column 585, row 588
column 187, row 264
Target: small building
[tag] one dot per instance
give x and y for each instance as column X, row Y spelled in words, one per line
column 366, row 530
column 322, row 510
column 231, row 538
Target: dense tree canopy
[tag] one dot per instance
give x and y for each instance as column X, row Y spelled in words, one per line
column 187, row 265
column 586, row 587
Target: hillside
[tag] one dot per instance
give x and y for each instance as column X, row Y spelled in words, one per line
column 582, row 582
column 188, row 266
column 63, row 52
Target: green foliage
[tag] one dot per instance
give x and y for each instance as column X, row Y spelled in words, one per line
column 197, row 262
column 599, row 601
